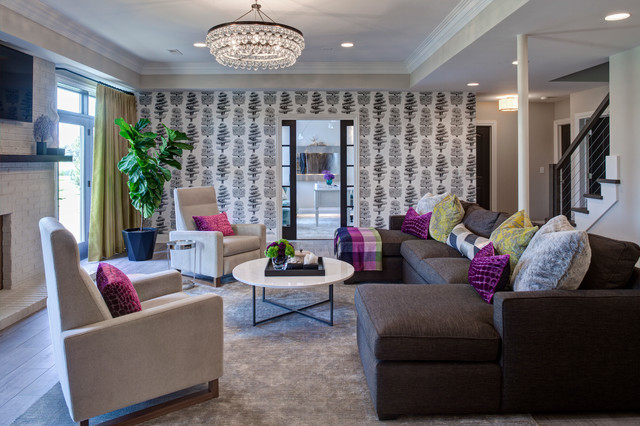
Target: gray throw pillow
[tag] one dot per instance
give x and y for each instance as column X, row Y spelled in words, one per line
column 557, row 257
column 428, row 202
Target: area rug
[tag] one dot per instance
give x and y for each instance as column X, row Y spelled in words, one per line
column 291, row 371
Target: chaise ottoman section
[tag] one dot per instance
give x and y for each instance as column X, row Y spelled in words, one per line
column 428, row 349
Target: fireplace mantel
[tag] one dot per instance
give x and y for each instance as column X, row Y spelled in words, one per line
column 16, row 158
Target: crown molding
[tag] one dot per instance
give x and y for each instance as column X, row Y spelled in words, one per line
column 213, row 68
column 55, row 21
column 459, row 16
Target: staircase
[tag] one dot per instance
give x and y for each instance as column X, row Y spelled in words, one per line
column 584, row 182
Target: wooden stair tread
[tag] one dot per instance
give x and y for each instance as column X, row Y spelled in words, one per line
column 593, row 196
column 580, row 210
column 608, row 181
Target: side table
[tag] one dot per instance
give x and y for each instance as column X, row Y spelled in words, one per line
column 184, row 245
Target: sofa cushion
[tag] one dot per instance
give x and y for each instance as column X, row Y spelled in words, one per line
column 391, row 241
column 557, row 257
column 481, row 221
column 427, row 323
column 235, row 244
column 414, row 251
column 465, row 241
column 428, row 202
column 512, row 237
column 612, row 263
column 444, row 270
column 489, row 273
column 117, row 291
column 415, row 224
column 216, row 222
column 446, row 214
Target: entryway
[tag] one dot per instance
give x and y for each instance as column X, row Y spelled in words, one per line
column 318, row 177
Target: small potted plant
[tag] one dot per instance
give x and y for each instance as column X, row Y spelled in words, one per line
column 42, row 130
column 328, row 176
column 280, row 251
column 148, row 168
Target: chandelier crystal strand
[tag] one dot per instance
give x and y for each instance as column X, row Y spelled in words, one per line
column 255, row 44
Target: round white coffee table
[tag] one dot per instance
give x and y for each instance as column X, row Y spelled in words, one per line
column 252, row 273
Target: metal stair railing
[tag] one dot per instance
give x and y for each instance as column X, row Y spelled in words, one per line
column 574, row 178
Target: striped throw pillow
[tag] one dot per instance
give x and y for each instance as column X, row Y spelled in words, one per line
column 466, row 242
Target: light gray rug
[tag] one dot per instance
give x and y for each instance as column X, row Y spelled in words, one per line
column 293, row 370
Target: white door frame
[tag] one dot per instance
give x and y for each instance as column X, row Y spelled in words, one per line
column 557, row 139
column 493, row 166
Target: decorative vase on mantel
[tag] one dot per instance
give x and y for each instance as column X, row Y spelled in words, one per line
column 329, row 182
column 280, row 262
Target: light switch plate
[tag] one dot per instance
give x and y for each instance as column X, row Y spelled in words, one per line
column 541, row 170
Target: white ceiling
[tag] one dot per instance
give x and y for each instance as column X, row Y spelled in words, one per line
column 455, row 41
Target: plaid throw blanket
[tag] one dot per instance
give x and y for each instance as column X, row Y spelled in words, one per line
column 361, row 247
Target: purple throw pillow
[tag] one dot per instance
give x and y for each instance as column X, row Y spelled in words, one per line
column 415, row 224
column 488, row 273
column 117, row 291
column 217, row 222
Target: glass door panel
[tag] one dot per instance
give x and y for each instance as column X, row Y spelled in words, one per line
column 347, row 169
column 70, row 179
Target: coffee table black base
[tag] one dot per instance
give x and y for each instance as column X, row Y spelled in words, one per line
column 294, row 310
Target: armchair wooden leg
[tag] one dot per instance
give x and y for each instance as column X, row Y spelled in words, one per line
column 164, row 407
column 84, row 423
column 213, row 388
column 217, row 281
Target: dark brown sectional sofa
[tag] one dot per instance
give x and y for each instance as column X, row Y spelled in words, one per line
column 430, row 349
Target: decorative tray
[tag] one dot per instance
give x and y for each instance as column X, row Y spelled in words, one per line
column 296, row 270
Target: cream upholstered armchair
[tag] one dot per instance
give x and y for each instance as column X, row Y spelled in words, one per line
column 107, row 363
column 216, row 255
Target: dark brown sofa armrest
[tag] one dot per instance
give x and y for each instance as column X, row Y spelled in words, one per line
column 583, row 344
column 395, row 221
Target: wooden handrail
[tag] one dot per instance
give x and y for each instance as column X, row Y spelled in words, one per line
column 583, row 133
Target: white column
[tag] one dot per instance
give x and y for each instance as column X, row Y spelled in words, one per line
column 523, row 123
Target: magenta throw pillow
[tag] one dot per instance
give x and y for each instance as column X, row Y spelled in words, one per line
column 217, row 222
column 415, row 224
column 489, row 273
column 117, row 291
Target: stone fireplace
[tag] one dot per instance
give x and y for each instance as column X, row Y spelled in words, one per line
column 27, row 194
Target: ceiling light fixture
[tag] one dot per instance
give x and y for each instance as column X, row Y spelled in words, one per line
column 256, row 44
column 617, row 16
column 508, row 103
column 347, row 44
column 200, row 44
column 473, row 84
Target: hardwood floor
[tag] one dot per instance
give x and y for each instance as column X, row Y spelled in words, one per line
column 27, row 368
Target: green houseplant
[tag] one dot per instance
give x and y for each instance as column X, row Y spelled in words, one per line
column 147, row 166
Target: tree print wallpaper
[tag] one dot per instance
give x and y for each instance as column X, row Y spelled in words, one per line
column 409, row 143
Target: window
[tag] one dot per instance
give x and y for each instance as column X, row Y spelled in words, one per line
column 76, row 108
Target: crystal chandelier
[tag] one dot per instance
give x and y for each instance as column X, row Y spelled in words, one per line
column 256, row 44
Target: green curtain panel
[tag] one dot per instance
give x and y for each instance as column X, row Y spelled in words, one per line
column 111, row 210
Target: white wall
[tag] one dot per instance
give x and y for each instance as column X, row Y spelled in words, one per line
column 585, row 101
column 541, row 116
column 623, row 220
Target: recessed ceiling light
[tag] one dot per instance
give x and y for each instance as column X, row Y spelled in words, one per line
column 347, row 44
column 617, row 16
column 473, row 84
column 200, row 44
column 514, row 63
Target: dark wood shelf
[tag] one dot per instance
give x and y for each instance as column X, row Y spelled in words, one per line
column 6, row 158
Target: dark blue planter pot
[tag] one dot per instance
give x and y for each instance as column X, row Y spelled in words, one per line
column 140, row 244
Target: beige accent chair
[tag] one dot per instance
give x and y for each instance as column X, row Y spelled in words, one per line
column 107, row 363
column 216, row 255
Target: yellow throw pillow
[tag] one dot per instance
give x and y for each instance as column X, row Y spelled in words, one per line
column 446, row 215
column 512, row 237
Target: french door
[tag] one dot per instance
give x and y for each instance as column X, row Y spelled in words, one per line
column 76, row 110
